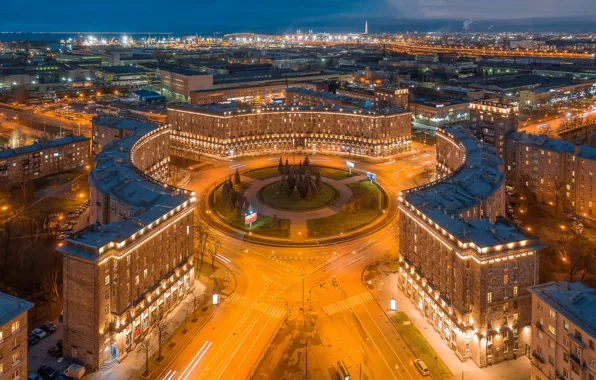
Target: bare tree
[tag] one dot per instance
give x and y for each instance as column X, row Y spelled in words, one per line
column 196, row 295
column 559, row 186
column 577, row 262
column 427, row 173
column 215, row 245
column 201, row 239
column 162, row 328
column 145, row 347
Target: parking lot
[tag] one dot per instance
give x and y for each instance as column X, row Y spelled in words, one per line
column 37, row 354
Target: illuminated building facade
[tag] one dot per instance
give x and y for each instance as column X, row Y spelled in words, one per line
column 134, row 263
column 43, row 158
column 493, row 120
column 229, row 131
column 463, row 265
column 554, row 172
column 563, row 331
column 13, row 337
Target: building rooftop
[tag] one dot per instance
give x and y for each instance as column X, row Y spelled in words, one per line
column 438, row 102
column 543, row 142
column 122, row 69
column 181, row 71
column 229, row 110
column 41, row 145
column 346, row 99
column 123, row 124
column 11, row 307
column 116, row 175
column 575, row 301
column 478, row 178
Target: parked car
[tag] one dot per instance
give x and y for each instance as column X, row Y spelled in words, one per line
column 33, row 376
column 421, row 366
column 48, row 327
column 75, row 371
column 39, row 333
column 33, row 339
column 47, row 372
column 73, row 214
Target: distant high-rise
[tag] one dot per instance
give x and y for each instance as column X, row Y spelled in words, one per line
column 366, row 27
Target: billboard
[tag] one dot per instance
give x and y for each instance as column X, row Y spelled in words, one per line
column 250, row 218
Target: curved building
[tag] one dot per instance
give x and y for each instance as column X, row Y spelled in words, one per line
column 134, row 263
column 464, row 265
column 231, row 131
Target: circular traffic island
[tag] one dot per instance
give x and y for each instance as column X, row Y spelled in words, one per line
column 282, row 196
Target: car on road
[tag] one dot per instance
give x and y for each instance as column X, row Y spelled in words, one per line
column 422, row 368
column 33, row 339
column 48, row 327
column 39, row 333
column 73, row 214
column 47, row 372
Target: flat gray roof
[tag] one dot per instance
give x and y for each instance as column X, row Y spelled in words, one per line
column 11, row 307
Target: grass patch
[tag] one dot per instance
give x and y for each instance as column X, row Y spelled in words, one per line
column 264, row 173
column 335, row 174
column 261, row 227
column 270, row 195
column 420, row 346
column 51, row 205
column 340, row 222
column 370, row 195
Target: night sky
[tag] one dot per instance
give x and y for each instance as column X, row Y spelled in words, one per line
column 269, row 16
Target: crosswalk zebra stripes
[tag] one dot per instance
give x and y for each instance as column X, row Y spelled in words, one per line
column 347, row 303
column 262, row 307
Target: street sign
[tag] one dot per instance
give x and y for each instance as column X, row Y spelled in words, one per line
column 250, row 218
column 371, row 176
column 350, row 164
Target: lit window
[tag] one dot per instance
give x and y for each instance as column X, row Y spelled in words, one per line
column 15, row 326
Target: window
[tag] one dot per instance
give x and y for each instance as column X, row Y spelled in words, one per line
column 107, row 309
column 515, row 291
column 566, row 341
column 489, row 297
column 539, row 305
column 145, row 273
column 1, row 336
column 506, row 279
column 551, row 329
column 15, row 326
column 552, row 313
column 107, row 280
column 566, row 325
column 15, row 374
column 15, row 357
column 551, row 344
column 591, row 343
column 136, row 280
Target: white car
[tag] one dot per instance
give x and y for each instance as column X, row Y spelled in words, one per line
column 39, row 333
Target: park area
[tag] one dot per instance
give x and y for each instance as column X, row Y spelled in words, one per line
column 366, row 205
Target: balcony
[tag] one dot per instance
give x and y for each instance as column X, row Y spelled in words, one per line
column 538, row 357
column 575, row 359
column 539, row 326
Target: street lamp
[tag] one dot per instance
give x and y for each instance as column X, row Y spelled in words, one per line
column 392, row 304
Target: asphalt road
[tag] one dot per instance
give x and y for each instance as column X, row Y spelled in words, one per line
column 341, row 321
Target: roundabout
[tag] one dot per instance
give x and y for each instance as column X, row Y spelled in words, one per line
column 295, row 205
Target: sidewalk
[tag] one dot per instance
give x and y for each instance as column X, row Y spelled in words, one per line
column 184, row 328
column 383, row 286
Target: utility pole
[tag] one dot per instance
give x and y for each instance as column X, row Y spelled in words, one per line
column 303, row 296
column 360, row 376
column 307, row 359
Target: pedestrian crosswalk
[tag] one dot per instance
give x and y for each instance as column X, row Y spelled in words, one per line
column 262, row 307
column 347, row 303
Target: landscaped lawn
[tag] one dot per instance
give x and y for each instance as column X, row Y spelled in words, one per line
column 261, row 227
column 344, row 221
column 420, row 346
column 263, row 173
column 336, row 174
column 270, row 195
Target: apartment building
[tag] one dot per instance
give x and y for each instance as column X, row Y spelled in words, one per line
column 229, row 131
column 493, row 120
column 563, row 331
column 134, row 263
column 244, row 94
column 554, row 172
column 13, row 337
column 181, row 82
column 43, row 158
column 464, row 265
column 109, row 128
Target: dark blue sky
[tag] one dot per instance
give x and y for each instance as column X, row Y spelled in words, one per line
column 271, row 16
